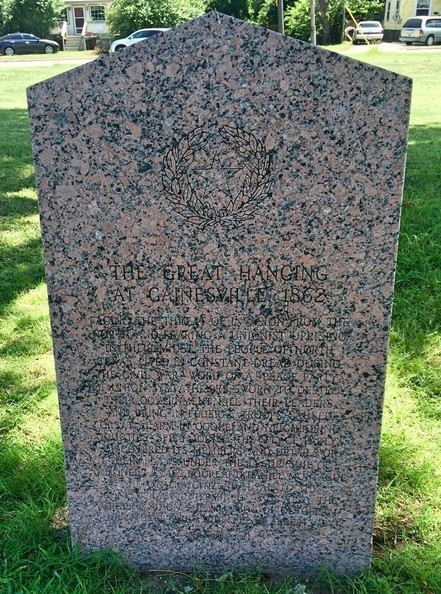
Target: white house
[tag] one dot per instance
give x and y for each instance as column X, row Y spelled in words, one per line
column 81, row 19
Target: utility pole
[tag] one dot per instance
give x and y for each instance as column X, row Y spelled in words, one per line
column 280, row 16
column 313, row 30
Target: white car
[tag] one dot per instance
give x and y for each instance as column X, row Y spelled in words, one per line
column 422, row 29
column 135, row 37
column 367, row 32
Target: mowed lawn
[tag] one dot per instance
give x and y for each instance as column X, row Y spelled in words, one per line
column 36, row 556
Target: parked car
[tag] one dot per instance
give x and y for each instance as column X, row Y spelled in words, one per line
column 421, row 29
column 368, row 31
column 25, row 43
column 135, row 37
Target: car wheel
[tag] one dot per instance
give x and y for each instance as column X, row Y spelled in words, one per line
column 9, row 51
column 48, row 49
column 408, row 42
column 120, row 47
column 430, row 40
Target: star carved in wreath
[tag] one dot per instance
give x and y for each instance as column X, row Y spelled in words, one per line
column 217, row 178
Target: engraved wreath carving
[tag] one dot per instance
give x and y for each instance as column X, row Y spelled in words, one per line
column 235, row 176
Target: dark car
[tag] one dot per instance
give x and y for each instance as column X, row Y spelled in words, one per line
column 25, row 43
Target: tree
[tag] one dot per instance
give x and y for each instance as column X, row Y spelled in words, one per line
column 329, row 17
column 34, row 16
column 297, row 22
column 236, row 8
column 329, row 20
column 367, row 9
column 126, row 16
column 5, row 16
column 266, row 12
column 327, row 10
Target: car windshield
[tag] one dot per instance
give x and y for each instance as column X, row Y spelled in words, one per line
column 368, row 25
column 413, row 23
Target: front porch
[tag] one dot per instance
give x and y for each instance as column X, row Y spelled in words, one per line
column 82, row 23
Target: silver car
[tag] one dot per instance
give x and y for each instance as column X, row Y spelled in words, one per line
column 421, row 29
column 368, row 32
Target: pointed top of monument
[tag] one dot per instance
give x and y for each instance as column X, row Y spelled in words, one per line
column 204, row 41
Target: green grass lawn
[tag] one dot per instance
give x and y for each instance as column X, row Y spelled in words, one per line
column 59, row 56
column 36, row 556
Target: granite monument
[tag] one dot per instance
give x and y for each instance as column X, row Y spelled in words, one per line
column 220, row 211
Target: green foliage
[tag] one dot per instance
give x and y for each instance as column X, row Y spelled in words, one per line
column 5, row 16
column 126, row 16
column 329, row 18
column 265, row 12
column 34, row 16
column 329, row 21
column 297, row 21
column 236, row 8
column 366, row 9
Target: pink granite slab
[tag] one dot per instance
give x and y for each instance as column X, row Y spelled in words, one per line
column 220, row 209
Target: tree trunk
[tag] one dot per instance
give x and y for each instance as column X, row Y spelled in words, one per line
column 323, row 8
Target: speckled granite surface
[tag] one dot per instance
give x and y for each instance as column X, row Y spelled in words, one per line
column 220, row 210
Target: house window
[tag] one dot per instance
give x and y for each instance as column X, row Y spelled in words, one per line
column 388, row 11
column 422, row 7
column 63, row 14
column 98, row 13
